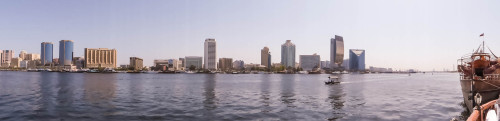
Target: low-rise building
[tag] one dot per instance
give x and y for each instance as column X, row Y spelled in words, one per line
column 225, row 64
column 309, row 62
column 239, row 65
column 193, row 62
column 100, row 58
column 136, row 63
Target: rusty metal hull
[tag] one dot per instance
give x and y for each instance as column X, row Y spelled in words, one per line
column 485, row 88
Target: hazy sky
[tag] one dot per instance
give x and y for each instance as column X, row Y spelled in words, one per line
column 401, row 34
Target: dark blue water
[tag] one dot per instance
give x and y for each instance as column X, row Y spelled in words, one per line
column 49, row 96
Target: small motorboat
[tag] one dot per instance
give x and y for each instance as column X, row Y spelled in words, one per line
column 333, row 80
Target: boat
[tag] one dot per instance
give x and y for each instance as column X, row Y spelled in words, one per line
column 333, row 80
column 479, row 77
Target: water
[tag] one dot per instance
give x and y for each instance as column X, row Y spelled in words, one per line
column 88, row 96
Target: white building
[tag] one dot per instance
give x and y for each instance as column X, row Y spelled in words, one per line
column 288, row 54
column 22, row 54
column 310, row 62
column 210, row 54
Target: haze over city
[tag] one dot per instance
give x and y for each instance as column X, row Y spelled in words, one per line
column 417, row 34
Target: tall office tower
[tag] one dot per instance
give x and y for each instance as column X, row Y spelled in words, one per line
column 357, row 59
column 210, row 54
column 195, row 61
column 47, row 52
column 136, row 63
column 225, row 64
column 100, row 58
column 310, row 62
column 336, row 51
column 288, row 54
column 264, row 57
column 7, row 56
column 22, row 55
column 65, row 52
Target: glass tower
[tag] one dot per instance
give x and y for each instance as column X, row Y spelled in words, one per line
column 65, row 52
column 47, row 52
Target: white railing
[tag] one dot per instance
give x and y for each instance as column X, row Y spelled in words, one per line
column 492, row 76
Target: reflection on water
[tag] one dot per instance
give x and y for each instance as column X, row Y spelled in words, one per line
column 287, row 90
column 88, row 96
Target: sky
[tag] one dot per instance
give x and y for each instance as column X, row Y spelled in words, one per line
column 400, row 34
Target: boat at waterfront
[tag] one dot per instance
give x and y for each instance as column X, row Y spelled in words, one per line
column 333, row 80
column 479, row 78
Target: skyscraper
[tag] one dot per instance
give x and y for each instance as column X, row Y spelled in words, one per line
column 357, row 59
column 210, row 54
column 6, row 56
column 47, row 52
column 65, row 52
column 288, row 54
column 336, row 51
column 264, row 57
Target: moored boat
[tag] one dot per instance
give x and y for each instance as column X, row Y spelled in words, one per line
column 479, row 77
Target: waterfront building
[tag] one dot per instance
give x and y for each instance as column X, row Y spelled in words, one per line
column 47, row 53
column 173, row 65
column 15, row 62
column 276, row 65
column 356, row 60
column 160, row 64
column 380, row 70
column 195, row 61
column 345, row 64
column 264, row 57
column 225, row 64
column 124, row 66
column 336, row 51
column 288, row 54
column 210, row 54
column 22, row 54
column 182, row 61
column 100, row 58
column 23, row 64
column 136, row 63
column 6, row 57
column 325, row 64
column 32, row 56
column 55, row 61
column 309, row 62
column 253, row 66
column 32, row 64
column 65, row 52
column 78, row 62
column 239, row 64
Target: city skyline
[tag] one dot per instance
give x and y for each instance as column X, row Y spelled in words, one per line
column 412, row 38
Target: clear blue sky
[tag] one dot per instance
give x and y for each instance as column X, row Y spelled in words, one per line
column 419, row 34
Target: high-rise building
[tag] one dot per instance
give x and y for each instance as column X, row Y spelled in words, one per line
column 65, row 52
column 136, row 63
column 210, row 54
column 47, row 53
column 22, row 54
column 288, row 54
column 195, row 61
column 100, row 58
column 225, row 64
column 239, row 64
column 336, row 51
column 264, row 57
column 345, row 64
column 6, row 58
column 309, row 62
column 182, row 61
column 357, row 60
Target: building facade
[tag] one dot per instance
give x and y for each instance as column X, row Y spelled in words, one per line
column 310, row 62
column 239, row 65
column 136, row 63
column 22, row 54
column 195, row 61
column 288, row 54
column 325, row 64
column 78, row 62
column 6, row 57
column 336, row 51
column 47, row 53
column 100, row 58
column 31, row 56
column 210, row 54
column 65, row 52
column 264, row 57
column 356, row 60
column 225, row 64
column 16, row 62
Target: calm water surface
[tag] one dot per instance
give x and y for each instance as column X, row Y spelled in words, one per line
column 49, row 96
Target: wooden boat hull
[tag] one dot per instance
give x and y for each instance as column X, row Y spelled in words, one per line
column 487, row 91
